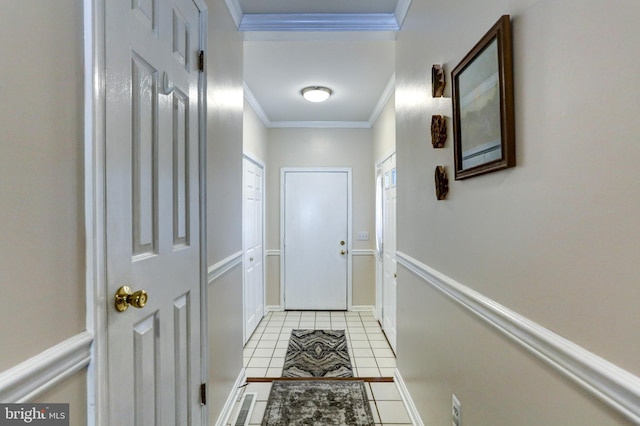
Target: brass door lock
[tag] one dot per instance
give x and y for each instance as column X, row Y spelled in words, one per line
column 125, row 297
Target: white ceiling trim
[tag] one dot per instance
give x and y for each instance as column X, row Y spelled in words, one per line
column 321, row 124
column 235, row 10
column 319, row 21
column 382, row 102
column 250, row 97
column 401, row 11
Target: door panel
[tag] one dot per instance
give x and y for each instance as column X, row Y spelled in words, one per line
column 152, row 211
column 253, row 293
column 389, row 263
column 316, row 241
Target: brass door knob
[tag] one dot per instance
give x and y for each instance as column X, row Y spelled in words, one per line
column 125, row 297
column 343, row 252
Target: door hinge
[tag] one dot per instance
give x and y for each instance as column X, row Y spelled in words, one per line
column 203, row 394
column 201, row 61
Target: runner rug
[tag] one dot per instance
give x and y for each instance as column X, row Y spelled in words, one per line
column 317, row 354
column 317, row 402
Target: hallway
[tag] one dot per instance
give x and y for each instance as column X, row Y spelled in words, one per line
column 370, row 354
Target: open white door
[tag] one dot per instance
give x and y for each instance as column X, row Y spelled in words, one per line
column 152, row 211
column 315, row 224
column 389, row 263
column 252, row 229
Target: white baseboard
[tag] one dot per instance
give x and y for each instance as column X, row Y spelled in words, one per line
column 406, row 398
column 44, row 371
column 227, row 410
column 364, row 308
column 616, row 387
column 354, row 308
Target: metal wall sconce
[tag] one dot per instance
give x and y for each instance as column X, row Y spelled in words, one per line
column 438, row 81
column 438, row 131
column 442, row 183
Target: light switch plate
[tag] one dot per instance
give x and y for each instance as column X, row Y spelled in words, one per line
column 363, row 236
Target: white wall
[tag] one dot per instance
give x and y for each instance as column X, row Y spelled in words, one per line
column 42, row 263
column 554, row 239
column 314, row 147
column 255, row 134
column 224, row 204
column 384, row 130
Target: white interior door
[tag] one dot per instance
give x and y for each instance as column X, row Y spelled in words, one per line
column 253, row 294
column 152, row 211
column 389, row 263
column 316, row 206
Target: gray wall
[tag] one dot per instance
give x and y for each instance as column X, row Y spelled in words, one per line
column 314, row 147
column 554, row 239
column 42, row 262
column 224, row 202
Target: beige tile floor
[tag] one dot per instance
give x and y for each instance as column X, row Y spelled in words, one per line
column 370, row 354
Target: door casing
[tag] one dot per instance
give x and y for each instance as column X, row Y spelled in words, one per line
column 97, row 298
column 347, row 170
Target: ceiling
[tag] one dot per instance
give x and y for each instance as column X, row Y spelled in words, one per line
column 347, row 46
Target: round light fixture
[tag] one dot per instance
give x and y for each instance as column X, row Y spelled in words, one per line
column 316, row 93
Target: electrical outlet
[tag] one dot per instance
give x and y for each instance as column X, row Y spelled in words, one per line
column 456, row 411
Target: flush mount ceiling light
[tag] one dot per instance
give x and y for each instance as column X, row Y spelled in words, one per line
column 316, row 93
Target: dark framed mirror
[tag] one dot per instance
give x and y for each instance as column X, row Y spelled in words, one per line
column 483, row 115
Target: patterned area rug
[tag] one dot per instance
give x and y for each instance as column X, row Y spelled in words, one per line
column 317, row 403
column 317, row 353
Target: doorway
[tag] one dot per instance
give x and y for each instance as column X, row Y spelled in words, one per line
column 148, row 355
column 315, row 230
column 386, row 235
column 253, row 238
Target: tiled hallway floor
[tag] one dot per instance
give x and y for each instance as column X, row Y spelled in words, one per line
column 371, row 357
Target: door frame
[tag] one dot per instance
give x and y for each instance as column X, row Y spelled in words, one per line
column 349, row 172
column 250, row 157
column 97, row 298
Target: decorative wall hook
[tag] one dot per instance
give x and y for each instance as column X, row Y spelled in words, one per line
column 438, row 130
column 442, row 183
column 438, row 81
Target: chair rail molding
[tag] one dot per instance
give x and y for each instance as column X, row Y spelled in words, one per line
column 225, row 265
column 613, row 385
column 363, row 252
column 44, row 371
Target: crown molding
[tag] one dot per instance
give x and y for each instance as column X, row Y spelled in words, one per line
column 402, row 8
column 250, row 97
column 321, row 124
column 235, row 10
column 382, row 102
column 319, row 22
